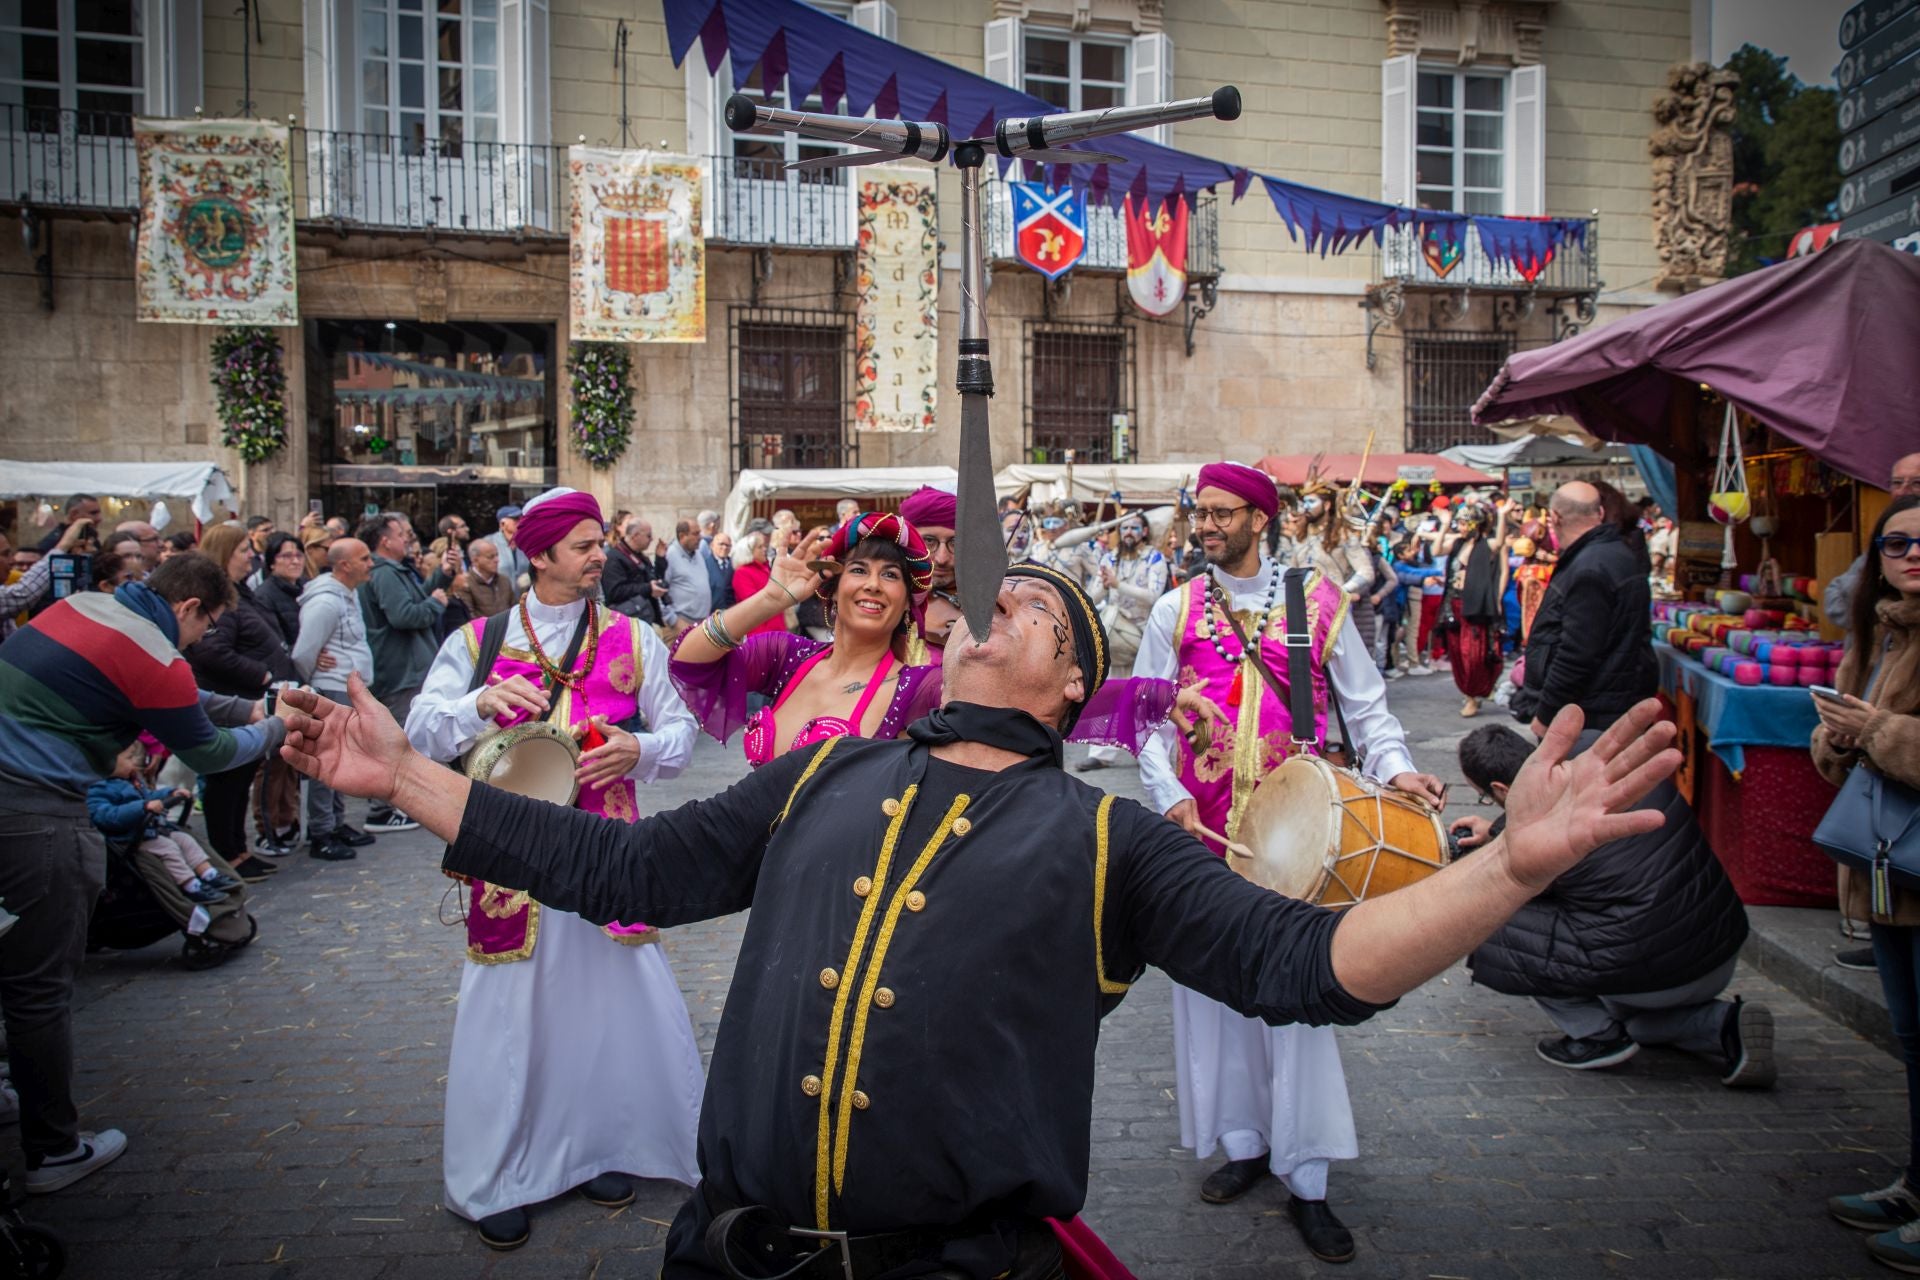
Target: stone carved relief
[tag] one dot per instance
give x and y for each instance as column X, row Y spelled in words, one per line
column 1466, row 32
column 1137, row 17
column 1692, row 150
column 430, row 289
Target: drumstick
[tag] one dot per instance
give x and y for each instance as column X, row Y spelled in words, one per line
column 1233, row 847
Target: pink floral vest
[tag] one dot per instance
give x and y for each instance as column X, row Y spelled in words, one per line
column 1259, row 735
column 503, row 924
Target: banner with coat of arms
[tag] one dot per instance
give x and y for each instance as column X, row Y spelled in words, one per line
column 1049, row 227
column 897, row 293
column 638, row 263
column 216, row 223
column 1156, row 254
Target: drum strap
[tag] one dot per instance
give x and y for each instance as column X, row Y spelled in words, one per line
column 1298, row 696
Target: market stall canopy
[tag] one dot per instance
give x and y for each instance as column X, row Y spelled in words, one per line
column 1382, row 468
column 1136, row 482
column 1530, row 451
column 826, row 482
column 1556, row 424
column 1821, row 349
column 201, row 484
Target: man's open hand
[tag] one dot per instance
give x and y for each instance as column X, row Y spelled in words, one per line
column 357, row 749
column 1560, row 810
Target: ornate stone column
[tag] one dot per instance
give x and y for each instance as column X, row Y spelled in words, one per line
column 1692, row 149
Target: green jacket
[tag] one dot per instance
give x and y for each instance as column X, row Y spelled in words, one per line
column 403, row 625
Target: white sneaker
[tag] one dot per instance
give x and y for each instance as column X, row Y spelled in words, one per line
column 92, row 1151
column 1422, row 670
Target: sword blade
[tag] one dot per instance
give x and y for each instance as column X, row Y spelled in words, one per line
column 980, row 561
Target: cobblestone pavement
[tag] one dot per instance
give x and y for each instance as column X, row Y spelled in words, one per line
column 284, row 1114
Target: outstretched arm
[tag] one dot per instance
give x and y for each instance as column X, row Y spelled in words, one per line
column 1558, row 811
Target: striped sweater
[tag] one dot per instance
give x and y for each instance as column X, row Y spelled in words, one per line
column 79, row 682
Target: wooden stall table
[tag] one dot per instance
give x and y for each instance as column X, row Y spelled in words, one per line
column 1754, row 789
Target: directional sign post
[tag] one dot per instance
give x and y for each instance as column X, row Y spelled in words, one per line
column 1879, row 117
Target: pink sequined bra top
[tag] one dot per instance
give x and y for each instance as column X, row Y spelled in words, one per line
column 758, row 742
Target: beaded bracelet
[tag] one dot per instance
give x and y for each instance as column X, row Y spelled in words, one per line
column 716, row 631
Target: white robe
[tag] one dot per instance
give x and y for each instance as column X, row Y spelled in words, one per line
column 1242, row 1085
column 579, row 1060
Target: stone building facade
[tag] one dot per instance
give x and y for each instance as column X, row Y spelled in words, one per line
column 1497, row 106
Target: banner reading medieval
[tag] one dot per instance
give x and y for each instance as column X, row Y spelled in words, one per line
column 216, row 223
column 638, row 261
column 1156, row 254
column 897, row 284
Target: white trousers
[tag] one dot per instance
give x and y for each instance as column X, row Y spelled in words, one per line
column 574, row 1062
column 1254, row 1090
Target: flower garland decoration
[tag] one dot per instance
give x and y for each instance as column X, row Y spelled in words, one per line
column 250, row 391
column 602, row 374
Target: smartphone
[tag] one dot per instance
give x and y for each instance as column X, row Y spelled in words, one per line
column 316, row 507
column 1824, row 691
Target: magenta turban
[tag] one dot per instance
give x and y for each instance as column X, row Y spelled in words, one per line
column 929, row 507
column 551, row 517
column 1249, row 483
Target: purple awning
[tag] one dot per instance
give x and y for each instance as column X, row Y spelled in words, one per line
column 819, row 53
column 1822, row 349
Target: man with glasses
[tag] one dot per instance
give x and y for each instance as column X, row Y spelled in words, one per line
column 80, row 682
column 934, row 513
column 1275, row 1097
column 149, row 539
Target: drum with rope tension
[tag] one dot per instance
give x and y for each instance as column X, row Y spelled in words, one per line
column 533, row 758
column 1335, row 837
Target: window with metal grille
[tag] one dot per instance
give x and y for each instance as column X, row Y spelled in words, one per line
column 1446, row 373
column 1081, row 382
column 791, row 374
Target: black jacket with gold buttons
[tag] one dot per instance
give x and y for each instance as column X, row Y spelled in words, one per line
column 909, row 1038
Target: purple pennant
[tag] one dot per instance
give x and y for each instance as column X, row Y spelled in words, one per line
column 713, row 38
column 886, row 103
column 773, row 63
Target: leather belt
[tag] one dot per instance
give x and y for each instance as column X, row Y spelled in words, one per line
column 754, row 1242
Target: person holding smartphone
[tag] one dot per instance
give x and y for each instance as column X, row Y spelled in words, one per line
column 1872, row 720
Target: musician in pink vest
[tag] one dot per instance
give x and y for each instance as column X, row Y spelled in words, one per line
column 1275, row 1098
column 573, row 1062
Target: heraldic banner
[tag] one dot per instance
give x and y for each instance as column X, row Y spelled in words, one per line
column 897, row 286
column 216, row 223
column 1157, row 255
column 638, row 261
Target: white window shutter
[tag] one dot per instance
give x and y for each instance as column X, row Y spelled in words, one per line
column 329, row 51
column 525, row 41
column 1150, row 79
column 1399, row 78
column 171, row 71
column 705, row 125
column 1526, row 167
column 878, row 17
column 1003, row 51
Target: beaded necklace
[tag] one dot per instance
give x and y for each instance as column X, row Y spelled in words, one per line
column 550, row 668
column 1217, row 598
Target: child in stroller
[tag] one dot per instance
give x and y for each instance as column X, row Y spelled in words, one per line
column 159, row 879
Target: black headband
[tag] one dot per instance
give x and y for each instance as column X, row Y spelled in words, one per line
column 1089, row 637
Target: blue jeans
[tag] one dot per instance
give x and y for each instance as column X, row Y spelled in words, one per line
column 1896, row 953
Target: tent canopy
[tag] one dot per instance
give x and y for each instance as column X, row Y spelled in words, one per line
column 826, row 482
column 1382, row 468
column 199, row 484
column 1137, row 482
column 1527, row 451
column 1821, row 349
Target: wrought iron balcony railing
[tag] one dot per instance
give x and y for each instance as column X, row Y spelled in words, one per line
column 1401, row 259
column 68, row 159
column 1107, row 233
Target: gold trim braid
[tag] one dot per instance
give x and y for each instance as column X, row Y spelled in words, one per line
column 822, row 1150
column 819, row 757
column 1100, row 822
column 872, row 981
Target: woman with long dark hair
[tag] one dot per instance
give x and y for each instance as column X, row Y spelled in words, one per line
column 1470, row 608
column 1875, row 724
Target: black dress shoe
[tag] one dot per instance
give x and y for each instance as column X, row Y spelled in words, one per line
column 611, row 1190
column 1326, row 1237
column 352, row 837
column 1232, row 1180
column 507, row 1229
column 330, row 850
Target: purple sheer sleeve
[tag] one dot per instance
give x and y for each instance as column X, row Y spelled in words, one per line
column 1125, row 712
column 917, row 693
column 716, row 692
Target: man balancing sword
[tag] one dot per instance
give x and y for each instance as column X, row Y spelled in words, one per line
column 902, row 1081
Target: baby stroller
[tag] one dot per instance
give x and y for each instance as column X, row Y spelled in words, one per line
column 27, row 1252
column 140, row 904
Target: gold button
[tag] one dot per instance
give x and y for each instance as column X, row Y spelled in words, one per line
column 810, row 1085
column 883, row 998
column 829, row 979
column 863, row 886
column 860, row 1101
column 961, row 826
column 890, row 807
column 916, row 900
